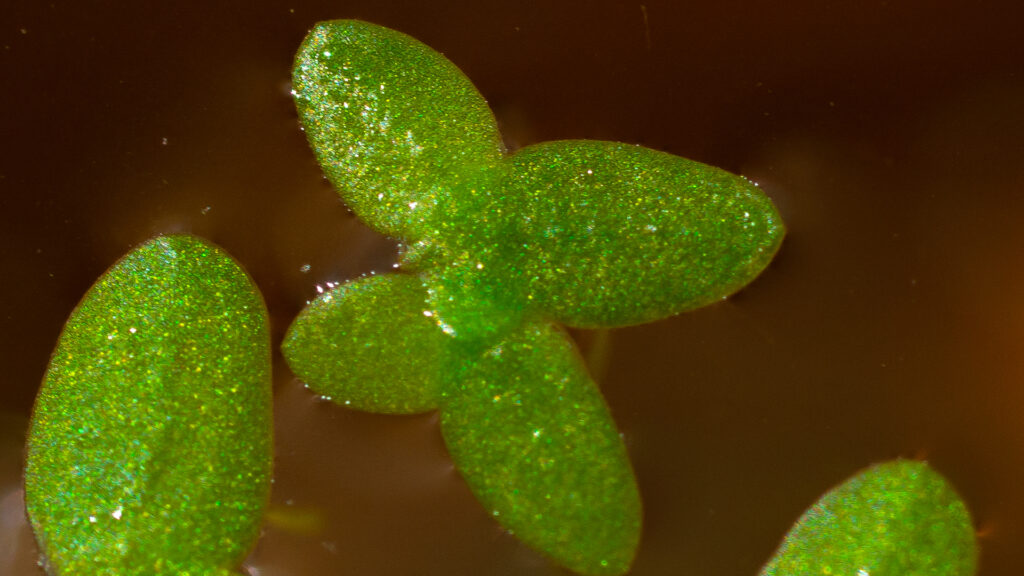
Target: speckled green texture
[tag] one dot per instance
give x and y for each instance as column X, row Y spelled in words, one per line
column 898, row 518
column 505, row 247
column 381, row 111
column 149, row 450
column 533, row 438
column 342, row 340
column 616, row 234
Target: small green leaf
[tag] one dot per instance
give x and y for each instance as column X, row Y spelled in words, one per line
column 898, row 518
column 371, row 344
column 395, row 125
column 531, row 434
column 149, row 450
column 616, row 234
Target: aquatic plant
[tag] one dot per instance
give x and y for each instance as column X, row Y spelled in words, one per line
column 500, row 250
column 149, row 450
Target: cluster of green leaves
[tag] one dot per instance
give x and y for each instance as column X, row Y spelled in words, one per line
column 501, row 251
column 150, row 445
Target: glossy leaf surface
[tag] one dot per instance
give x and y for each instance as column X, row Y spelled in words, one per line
column 531, row 434
column 898, row 518
column 149, row 450
column 583, row 233
column 395, row 125
column 368, row 345
column 616, row 234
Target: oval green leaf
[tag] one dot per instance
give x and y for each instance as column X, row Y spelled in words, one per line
column 149, row 450
column 897, row 518
column 531, row 434
column 371, row 344
column 616, row 234
column 395, row 125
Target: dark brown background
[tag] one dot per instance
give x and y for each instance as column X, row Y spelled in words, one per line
column 890, row 134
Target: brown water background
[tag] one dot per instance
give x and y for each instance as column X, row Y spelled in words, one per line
column 890, row 134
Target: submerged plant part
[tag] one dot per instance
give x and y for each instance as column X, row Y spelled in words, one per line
column 499, row 252
column 149, row 450
column 895, row 518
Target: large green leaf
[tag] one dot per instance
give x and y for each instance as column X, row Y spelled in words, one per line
column 898, row 518
column 616, row 234
column 149, row 450
column 530, row 433
column 395, row 125
column 371, row 344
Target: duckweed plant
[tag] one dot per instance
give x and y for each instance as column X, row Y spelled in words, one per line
column 150, row 445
